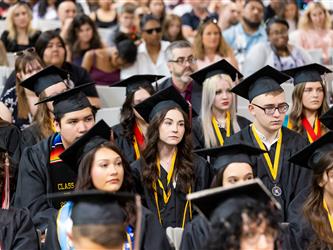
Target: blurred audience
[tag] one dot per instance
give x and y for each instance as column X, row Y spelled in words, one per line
column 291, row 14
column 157, row 9
column 66, row 12
column 172, row 28
column 274, row 8
column 229, row 15
column 105, row 16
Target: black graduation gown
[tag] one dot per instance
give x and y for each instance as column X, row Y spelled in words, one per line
column 35, row 182
column 172, row 212
column 290, row 178
column 197, row 134
column 196, row 95
column 123, row 143
column 17, row 230
column 195, row 234
column 152, row 234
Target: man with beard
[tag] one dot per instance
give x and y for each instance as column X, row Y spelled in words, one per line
column 182, row 64
column 248, row 32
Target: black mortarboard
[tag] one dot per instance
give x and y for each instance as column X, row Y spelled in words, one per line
column 206, row 201
column 164, row 99
column 327, row 119
column 265, row 80
column 307, row 73
column 310, row 155
column 69, row 101
column 44, row 79
column 230, row 153
column 97, row 135
column 220, row 67
column 135, row 81
column 94, row 207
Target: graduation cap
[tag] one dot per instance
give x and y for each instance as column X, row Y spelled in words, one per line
column 327, row 119
column 265, row 80
column 135, row 81
column 207, row 201
column 240, row 152
column 167, row 98
column 70, row 100
column 220, row 67
column 44, row 79
column 310, row 155
column 94, row 207
column 307, row 73
column 98, row 134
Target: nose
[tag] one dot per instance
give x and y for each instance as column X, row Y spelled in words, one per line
column 82, row 127
column 113, row 170
column 175, row 128
column 276, row 113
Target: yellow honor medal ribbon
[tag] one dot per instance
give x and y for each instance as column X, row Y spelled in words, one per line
column 136, row 148
column 330, row 219
column 217, row 130
column 272, row 168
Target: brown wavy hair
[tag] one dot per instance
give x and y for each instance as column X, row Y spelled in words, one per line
column 223, row 49
column 313, row 207
column 296, row 113
column 21, row 63
column 183, row 165
column 127, row 117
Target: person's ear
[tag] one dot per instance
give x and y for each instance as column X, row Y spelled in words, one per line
column 323, row 180
column 57, row 126
column 251, row 109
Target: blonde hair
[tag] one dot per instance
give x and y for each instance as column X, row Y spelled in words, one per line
column 296, row 113
column 223, row 49
column 208, row 96
column 10, row 20
column 305, row 22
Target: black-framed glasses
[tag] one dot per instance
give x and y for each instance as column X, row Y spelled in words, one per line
column 282, row 108
column 183, row 60
column 150, row 31
column 24, row 52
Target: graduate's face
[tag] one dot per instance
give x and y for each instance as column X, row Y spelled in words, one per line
column 237, row 172
column 172, row 128
column 256, row 237
column 327, row 183
column 268, row 123
column 107, row 171
column 223, row 96
column 313, row 96
column 74, row 124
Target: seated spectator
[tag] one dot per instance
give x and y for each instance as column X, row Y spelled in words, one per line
column 277, row 52
column 151, row 58
column 209, row 45
column 104, row 65
column 314, row 30
column 66, row 11
column 229, row 15
column 248, row 32
column 44, row 10
column 274, row 8
column 191, row 20
column 140, row 12
column 82, row 36
column 291, row 14
column 157, row 9
column 126, row 23
column 105, row 16
column 19, row 34
column 17, row 105
column 172, row 28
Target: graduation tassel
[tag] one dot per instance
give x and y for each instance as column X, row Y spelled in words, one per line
column 6, row 189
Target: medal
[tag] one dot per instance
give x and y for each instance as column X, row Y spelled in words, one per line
column 276, row 191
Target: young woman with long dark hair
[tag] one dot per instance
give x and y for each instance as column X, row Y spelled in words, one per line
column 168, row 170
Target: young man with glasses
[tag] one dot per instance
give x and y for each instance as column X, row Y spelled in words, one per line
column 268, row 108
column 151, row 57
column 182, row 64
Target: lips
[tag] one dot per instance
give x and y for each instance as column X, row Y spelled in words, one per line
column 113, row 181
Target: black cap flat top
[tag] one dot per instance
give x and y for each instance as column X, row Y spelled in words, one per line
column 327, row 119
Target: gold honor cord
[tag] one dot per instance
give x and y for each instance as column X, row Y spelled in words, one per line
column 272, row 168
column 217, row 130
column 330, row 219
column 136, row 148
column 129, row 242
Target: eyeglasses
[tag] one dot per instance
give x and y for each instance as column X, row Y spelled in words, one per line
column 209, row 19
column 150, row 31
column 183, row 60
column 282, row 108
column 24, row 52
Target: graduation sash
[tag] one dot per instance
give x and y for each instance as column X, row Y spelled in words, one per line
column 217, row 129
column 313, row 133
column 167, row 194
column 273, row 168
column 330, row 219
column 138, row 141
